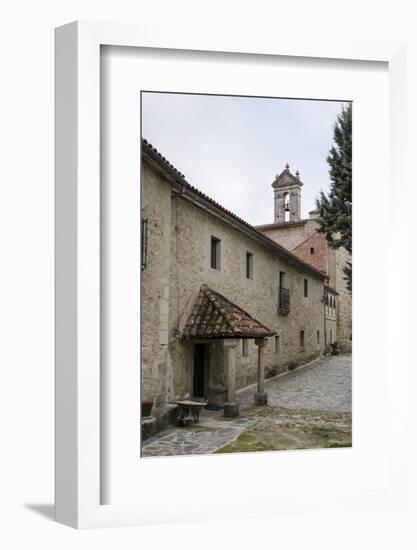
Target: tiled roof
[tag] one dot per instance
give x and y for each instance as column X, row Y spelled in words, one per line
column 211, row 315
column 175, row 176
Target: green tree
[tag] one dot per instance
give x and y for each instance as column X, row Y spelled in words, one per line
column 335, row 208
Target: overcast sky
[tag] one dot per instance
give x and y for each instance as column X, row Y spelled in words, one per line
column 231, row 148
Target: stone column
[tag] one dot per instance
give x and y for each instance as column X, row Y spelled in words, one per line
column 261, row 397
column 231, row 407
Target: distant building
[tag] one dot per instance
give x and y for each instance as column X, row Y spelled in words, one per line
column 300, row 237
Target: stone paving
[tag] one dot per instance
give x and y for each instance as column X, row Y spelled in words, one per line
column 210, row 434
column 323, row 385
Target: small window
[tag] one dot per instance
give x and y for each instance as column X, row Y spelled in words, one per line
column 312, row 250
column 305, row 288
column 318, row 337
column 245, row 348
column 277, row 344
column 302, row 338
column 215, row 253
column 249, row 265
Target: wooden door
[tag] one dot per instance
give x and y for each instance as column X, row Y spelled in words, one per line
column 198, row 373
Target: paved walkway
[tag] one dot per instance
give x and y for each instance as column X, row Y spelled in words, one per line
column 324, row 384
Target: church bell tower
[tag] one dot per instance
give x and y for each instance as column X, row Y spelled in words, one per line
column 287, row 196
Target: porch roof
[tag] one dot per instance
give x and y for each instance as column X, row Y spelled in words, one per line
column 211, row 315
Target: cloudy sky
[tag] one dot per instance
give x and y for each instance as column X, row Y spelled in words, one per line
column 231, row 148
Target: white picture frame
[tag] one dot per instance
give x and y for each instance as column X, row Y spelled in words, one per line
column 78, row 405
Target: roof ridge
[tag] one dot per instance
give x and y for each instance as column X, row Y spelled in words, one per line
column 305, row 240
column 196, row 191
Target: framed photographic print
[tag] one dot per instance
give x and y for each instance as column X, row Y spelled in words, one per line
column 215, row 209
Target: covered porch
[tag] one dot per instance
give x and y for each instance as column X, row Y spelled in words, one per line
column 212, row 318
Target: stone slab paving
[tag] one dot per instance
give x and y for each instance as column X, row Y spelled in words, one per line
column 210, row 434
column 323, row 385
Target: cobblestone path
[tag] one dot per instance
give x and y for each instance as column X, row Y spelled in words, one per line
column 323, row 385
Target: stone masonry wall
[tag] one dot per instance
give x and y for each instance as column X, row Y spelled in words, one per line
column 192, row 228
column 295, row 237
column 157, row 380
column 290, row 235
column 314, row 250
column 344, row 300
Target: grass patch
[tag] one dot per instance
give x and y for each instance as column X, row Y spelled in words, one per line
column 282, row 429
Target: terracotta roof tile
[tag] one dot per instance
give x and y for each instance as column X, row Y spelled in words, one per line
column 211, row 315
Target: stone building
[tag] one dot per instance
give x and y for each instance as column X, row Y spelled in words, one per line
column 223, row 303
column 301, row 237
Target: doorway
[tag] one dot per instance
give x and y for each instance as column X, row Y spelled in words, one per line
column 199, row 371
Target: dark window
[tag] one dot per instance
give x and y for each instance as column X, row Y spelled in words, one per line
column 302, row 338
column 277, row 344
column 305, row 288
column 249, row 265
column 318, row 337
column 144, row 243
column 215, row 253
column 283, row 294
column 245, row 348
column 312, row 250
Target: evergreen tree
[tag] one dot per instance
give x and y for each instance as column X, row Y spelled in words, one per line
column 335, row 209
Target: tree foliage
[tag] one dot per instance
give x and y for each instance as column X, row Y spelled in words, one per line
column 335, row 208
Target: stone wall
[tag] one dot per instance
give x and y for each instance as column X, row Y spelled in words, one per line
column 314, row 250
column 289, row 234
column 300, row 237
column 344, row 300
column 157, row 381
column 192, row 228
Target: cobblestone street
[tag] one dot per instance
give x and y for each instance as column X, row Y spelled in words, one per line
column 295, row 400
column 325, row 385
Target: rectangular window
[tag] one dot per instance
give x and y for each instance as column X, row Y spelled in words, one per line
column 318, row 337
column 277, row 344
column 144, row 243
column 283, row 294
column 302, row 338
column 245, row 348
column 215, row 253
column 311, row 250
column 249, row 265
column 305, row 288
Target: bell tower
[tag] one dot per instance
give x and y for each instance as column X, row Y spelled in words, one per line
column 287, row 196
